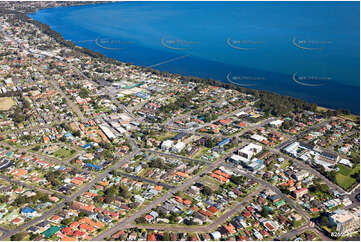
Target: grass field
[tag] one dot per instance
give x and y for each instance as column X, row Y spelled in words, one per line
column 211, row 183
column 285, row 164
column 63, row 153
column 165, row 136
column 344, row 181
column 201, row 152
column 6, row 103
column 343, row 176
column 348, row 171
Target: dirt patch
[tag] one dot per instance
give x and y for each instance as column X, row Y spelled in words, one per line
column 6, row 103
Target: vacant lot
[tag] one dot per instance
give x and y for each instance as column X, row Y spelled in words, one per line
column 6, row 103
column 211, row 183
column 64, row 153
column 344, row 181
column 344, row 176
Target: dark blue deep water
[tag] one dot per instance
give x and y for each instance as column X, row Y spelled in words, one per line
column 309, row 50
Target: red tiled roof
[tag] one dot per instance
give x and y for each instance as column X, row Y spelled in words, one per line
column 212, row 209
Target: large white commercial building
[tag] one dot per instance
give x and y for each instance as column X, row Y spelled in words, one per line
column 249, row 151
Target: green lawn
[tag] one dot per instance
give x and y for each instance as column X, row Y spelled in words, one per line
column 345, row 170
column 285, row 164
column 203, row 150
column 165, row 136
column 343, row 176
column 344, row 181
column 63, row 153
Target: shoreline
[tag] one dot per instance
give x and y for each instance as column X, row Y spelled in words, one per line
column 46, row 29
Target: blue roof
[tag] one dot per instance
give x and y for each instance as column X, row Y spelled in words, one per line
column 223, row 142
column 86, row 146
column 93, row 166
column 142, row 95
column 68, row 135
column 27, row 210
column 259, row 161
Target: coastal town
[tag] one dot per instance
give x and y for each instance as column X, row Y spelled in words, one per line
column 95, row 149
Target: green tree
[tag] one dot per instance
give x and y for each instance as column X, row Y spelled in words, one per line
column 67, row 221
column 19, row 236
column 265, row 212
column 324, row 221
column 166, row 236
column 207, row 191
column 84, row 93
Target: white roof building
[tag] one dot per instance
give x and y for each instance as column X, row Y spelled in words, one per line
column 179, row 147
column 216, row 235
column 107, row 132
column 345, row 221
column 276, row 123
column 292, row 148
column 167, row 144
column 250, row 150
column 345, row 162
column 301, row 175
column 139, row 199
column 258, row 138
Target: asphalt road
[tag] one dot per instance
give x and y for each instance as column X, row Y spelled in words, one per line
column 128, row 220
column 273, row 188
column 142, row 179
column 204, row 228
column 71, row 198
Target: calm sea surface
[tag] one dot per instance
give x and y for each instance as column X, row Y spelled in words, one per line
column 309, row 50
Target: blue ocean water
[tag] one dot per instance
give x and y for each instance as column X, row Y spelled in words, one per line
column 309, row 50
